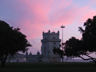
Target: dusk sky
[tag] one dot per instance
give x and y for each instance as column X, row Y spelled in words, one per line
column 35, row 16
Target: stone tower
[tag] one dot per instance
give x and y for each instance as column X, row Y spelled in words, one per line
column 50, row 40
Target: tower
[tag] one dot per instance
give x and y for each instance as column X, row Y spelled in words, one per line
column 49, row 42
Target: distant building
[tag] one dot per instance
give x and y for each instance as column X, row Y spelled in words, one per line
column 33, row 58
column 17, row 58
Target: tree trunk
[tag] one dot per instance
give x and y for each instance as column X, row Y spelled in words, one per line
column 62, row 59
column 3, row 61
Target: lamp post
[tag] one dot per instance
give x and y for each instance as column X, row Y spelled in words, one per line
column 62, row 43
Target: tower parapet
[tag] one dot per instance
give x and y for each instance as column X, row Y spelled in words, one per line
column 51, row 36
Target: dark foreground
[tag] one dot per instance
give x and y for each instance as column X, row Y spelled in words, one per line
column 49, row 67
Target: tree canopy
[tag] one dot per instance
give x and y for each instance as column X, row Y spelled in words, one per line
column 89, row 35
column 11, row 41
column 73, row 47
column 87, row 44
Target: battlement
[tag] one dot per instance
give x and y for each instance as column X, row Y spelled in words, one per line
column 50, row 35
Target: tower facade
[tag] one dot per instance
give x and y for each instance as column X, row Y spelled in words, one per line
column 49, row 42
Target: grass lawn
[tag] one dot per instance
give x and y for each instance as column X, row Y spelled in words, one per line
column 49, row 67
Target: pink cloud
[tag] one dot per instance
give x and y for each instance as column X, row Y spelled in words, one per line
column 52, row 14
column 89, row 14
column 41, row 15
column 68, row 16
column 41, row 11
column 31, row 30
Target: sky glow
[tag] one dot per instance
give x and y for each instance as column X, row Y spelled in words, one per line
column 36, row 16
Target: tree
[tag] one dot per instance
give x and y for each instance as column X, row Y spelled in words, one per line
column 11, row 41
column 85, row 46
column 73, row 47
column 89, row 34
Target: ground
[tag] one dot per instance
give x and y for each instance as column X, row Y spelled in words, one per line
column 49, row 67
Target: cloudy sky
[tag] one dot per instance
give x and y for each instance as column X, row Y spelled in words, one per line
column 36, row 16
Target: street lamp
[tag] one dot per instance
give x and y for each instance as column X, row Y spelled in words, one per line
column 62, row 43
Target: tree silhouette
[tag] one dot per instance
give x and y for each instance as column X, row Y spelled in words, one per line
column 11, row 41
column 89, row 34
column 73, row 47
column 85, row 46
